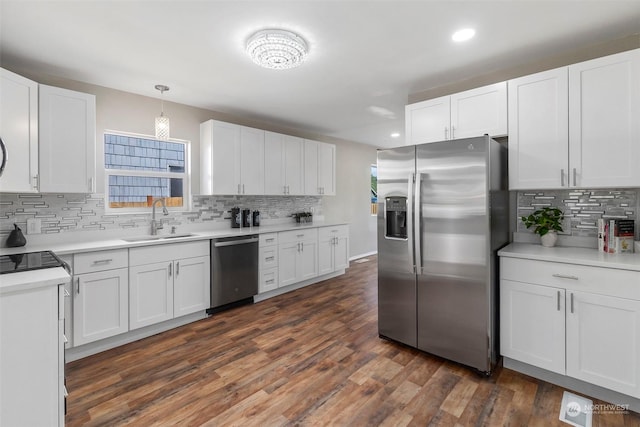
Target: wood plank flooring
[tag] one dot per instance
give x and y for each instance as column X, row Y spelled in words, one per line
column 310, row 357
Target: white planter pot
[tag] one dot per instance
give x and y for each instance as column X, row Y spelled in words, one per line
column 549, row 240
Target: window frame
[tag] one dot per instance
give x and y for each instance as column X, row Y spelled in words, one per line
column 185, row 176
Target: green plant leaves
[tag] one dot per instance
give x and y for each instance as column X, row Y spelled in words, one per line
column 545, row 220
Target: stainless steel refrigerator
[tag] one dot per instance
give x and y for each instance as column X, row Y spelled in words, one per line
column 442, row 216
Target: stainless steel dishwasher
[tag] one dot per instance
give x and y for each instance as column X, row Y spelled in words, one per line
column 234, row 271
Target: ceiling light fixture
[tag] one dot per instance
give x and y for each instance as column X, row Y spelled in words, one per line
column 277, row 49
column 463, row 35
column 162, row 122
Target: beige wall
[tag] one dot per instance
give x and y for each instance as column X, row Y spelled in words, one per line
column 127, row 112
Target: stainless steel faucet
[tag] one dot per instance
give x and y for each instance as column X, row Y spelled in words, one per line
column 155, row 224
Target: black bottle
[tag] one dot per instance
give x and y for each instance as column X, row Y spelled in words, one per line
column 246, row 218
column 235, row 218
column 256, row 218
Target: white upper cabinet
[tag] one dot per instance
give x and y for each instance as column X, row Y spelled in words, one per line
column 604, row 121
column 466, row 114
column 19, row 132
column 538, row 130
column 231, row 159
column 251, row 161
column 67, row 140
column 319, row 168
column 283, row 164
column 577, row 126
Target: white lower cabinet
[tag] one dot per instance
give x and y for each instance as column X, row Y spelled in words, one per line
column 268, row 259
column 575, row 320
column 603, row 341
column 297, row 255
column 100, row 295
column 169, row 286
column 333, row 249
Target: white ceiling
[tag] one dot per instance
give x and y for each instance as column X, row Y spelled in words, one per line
column 365, row 57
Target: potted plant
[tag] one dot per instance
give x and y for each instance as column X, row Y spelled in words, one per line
column 548, row 221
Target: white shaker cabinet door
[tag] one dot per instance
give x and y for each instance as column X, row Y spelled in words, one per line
column 603, row 341
column 191, row 286
column 19, row 132
column 311, row 168
column 251, row 161
column 538, row 131
column 341, row 253
column 219, row 158
column 532, row 328
column 326, row 169
column 274, row 171
column 100, row 305
column 428, row 121
column 287, row 261
column 67, row 140
column 308, row 260
column 294, row 165
column 479, row 111
column 150, row 294
column 604, row 119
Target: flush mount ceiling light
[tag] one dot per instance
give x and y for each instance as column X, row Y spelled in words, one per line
column 463, row 35
column 277, row 49
column 162, row 122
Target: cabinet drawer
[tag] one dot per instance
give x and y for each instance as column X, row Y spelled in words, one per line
column 326, row 233
column 599, row 280
column 168, row 252
column 269, row 257
column 268, row 280
column 298, row 235
column 100, row 261
column 268, row 239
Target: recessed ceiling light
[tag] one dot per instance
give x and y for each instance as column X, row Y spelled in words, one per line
column 463, row 35
column 395, row 135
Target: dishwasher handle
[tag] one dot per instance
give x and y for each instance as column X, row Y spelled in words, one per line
column 235, row 242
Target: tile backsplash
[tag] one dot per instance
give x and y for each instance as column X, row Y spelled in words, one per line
column 61, row 213
column 582, row 208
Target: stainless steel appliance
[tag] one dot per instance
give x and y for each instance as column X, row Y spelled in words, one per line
column 234, row 271
column 30, row 261
column 442, row 216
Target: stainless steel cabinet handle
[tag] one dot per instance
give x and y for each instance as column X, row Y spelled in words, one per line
column 453, row 132
column 177, row 268
column 78, row 285
column 238, row 188
column 564, row 276
column 558, row 300
column 575, row 181
column 102, row 261
column 170, row 268
column 572, row 302
column 299, row 235
column 270, row 240
column 242, row 188
column 91, row 185
column 235, row 242
column 270, row 281
column 35, row 181
column 446, row 131
column 561, row 177
column 269, row 258
column 284, row 189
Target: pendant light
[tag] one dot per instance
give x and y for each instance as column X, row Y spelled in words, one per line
column 162, row 122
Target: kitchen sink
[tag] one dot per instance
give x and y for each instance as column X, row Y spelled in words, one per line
column 152, row 238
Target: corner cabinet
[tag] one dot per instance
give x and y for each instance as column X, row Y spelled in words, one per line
column 67, row 140
column 171, row 285
column 574, row 320
column 231, row 159
column 19, row 132
column 466, row 114
column 576, row 126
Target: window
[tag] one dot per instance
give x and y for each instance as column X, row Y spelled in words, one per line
column 139, row 169
column 374, row 189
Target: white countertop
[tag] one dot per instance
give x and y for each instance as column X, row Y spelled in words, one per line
column 33, row 279
column 69, row 243
column 582, row 256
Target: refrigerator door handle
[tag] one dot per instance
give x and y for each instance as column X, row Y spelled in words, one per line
column 417, row 214
column 410, row 206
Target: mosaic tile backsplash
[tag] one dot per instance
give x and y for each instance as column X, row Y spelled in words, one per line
column 582, row 208
column 61, row 213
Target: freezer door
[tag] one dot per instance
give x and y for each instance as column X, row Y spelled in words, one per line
column 396, row 266
column 452, row 245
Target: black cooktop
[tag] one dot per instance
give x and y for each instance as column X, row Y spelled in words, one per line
column 29, row 261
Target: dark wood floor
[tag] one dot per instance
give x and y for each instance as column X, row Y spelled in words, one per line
column 309, row 357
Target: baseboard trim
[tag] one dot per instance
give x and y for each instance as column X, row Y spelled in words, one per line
column 293, row 287
column 366, row 254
